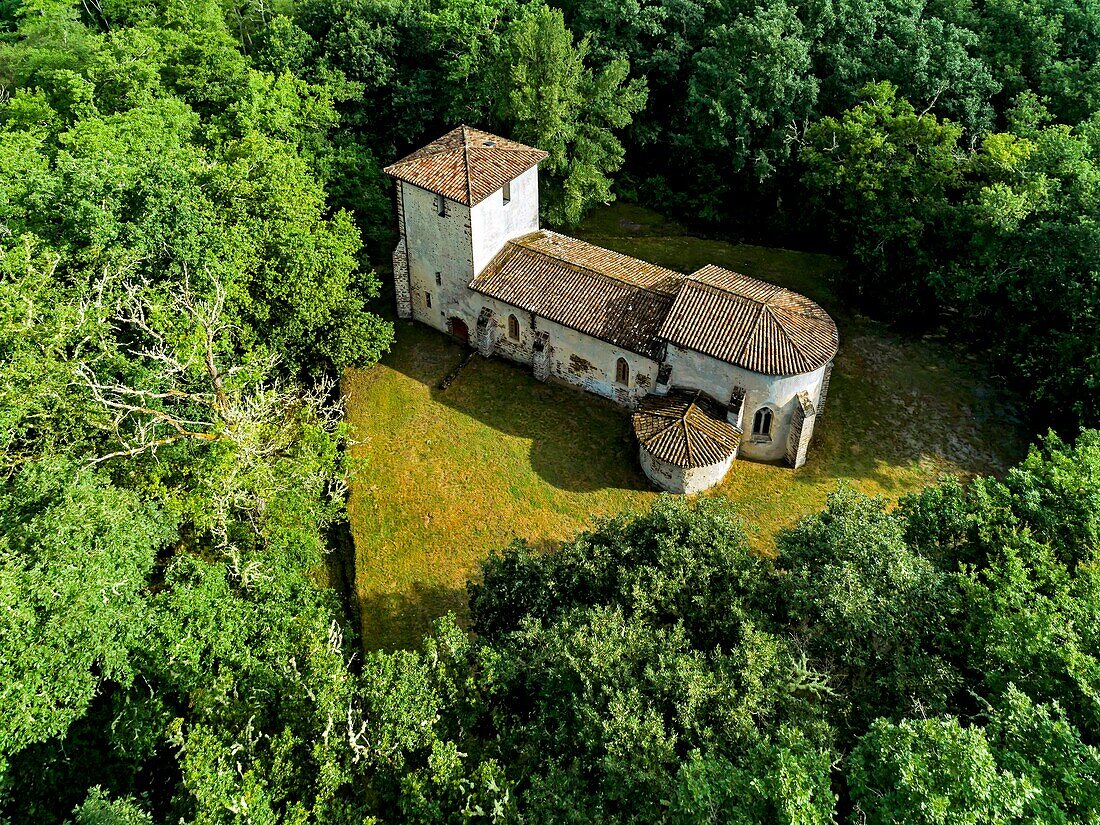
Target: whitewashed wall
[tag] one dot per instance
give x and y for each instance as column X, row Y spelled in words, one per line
column 717, row 378
column 589, row 363
column 459, row 244
column 494, row 222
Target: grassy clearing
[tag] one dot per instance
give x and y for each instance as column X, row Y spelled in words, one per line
column 446, row 476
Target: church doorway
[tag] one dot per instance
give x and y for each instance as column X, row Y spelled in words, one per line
column 458, row 329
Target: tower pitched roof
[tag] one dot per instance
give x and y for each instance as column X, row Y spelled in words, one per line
column 466, row 164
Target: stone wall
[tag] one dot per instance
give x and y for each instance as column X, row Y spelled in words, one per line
column 401, row 263
column 487, row 332
column 802, row 430
column 440, row 258
column 589, row 363
column 570, row 356
column 823, row 393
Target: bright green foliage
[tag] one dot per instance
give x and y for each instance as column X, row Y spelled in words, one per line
column 467, row 34
column 1046, row 48
column 672, row 564
column 887, row 173
column 170, row 266
column 750, row 88
column 74, row 557
column 98, row 809
column 1004, row 236
column 154, row 172
column 182, row 185
column 927, row 51
column 932, row 771
column 421, row 68
column 1037, row 743
column 1031, row 213
column 1028, row 764
column 786, row 782
column 943, row 654
column 872, row 609
column 633, row 649
column 1029, row 587
column 549, row 97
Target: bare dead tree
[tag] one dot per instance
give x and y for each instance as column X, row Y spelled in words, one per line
column 199, row 390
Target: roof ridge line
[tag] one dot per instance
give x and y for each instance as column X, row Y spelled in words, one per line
column 716, row 288
column 805, row 358
column 596, row 272
column 660, row 432
column 420, row 154
column 466, row 164
column 802, row 312
column 687, row 439
column 752, row 331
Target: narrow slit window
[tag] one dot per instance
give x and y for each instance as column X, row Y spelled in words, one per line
column 513, row 328
column 428, row 299
column 622, row 371
column 507, row 191
column 442, row 205
column 762, row 422
column 439, row 279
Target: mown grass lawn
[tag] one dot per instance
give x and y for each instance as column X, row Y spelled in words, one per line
column 445, row 476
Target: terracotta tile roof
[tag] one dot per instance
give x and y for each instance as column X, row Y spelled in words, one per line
column 597, row 259
column 601, row 293
column 750, row 323
column 466, row 165
column 685, row 428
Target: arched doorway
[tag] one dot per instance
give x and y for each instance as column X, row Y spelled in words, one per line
column 458, row 329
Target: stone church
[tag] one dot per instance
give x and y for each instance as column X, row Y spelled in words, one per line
column 715, row 365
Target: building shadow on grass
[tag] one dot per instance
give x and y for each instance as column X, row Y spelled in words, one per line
column 400, row 620
column 579, row 442
column 895, row 407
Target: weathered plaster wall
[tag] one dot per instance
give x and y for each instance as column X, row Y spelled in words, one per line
column 682, row 480
column 495, row 222
column 436, row 243
column 575, row 358
column 589, row 363
column 716, row 378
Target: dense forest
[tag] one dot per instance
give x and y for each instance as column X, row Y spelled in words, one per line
column 190, row 201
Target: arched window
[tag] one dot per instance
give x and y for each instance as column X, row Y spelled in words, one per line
column 513, row 328
column 622, row 371
column 762, row 422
